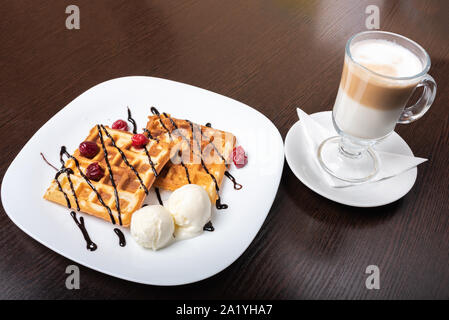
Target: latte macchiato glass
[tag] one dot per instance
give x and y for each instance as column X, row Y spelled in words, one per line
column 380, row 73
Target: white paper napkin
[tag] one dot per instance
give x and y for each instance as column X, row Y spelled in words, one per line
column 391, row 164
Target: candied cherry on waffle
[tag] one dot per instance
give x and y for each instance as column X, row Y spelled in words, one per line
column 139, row 140
column 94, row 171
column 120, row 125
column 88, row 149
column 239, row 157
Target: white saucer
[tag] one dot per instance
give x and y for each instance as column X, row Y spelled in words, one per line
column 364, row 195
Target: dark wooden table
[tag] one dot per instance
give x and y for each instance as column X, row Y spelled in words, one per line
column 274, row 56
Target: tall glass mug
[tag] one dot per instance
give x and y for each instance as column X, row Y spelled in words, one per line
column 380, row 73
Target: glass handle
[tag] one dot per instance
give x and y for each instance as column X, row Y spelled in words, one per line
column 417, row 110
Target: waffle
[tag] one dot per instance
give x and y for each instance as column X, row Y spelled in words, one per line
column 201, row 149
column 130, row 191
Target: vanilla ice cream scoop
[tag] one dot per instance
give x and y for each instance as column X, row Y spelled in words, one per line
column 191, row 210
column 152, row 227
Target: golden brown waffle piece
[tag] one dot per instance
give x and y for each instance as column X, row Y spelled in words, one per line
column 130, row 191
column 214, row 147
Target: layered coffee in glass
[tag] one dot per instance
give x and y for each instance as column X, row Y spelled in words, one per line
column 380, row 73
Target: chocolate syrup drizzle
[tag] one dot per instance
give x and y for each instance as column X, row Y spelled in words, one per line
column 150, row 161
column 171, row 120
column 111, row 175
column 208, row 226
column 218, row 203
column 62, row 170
column 125, row 160
column 214, row 146
column 90, row 245
column 68, row 172
column 156, row 112
column 237, row 186
column 158, row 195
column 185, row 167
column 150, row 135
column 130, row 119
column 121, row 237
column 64, row 152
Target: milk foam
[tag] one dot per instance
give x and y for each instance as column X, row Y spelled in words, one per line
column 386, row 58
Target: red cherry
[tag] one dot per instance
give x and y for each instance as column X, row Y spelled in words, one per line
column 239, row 157
column 94, row 171
column 120, row 125
column 88, row 149
column 139, row 140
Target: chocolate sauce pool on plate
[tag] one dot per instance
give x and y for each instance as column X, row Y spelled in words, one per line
column 90, row 245
column 121, row 237
column 208, row 227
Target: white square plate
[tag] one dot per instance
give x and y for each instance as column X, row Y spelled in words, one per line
column 184, row 261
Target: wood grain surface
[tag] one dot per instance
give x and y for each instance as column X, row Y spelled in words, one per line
column 274, row 56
